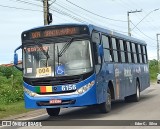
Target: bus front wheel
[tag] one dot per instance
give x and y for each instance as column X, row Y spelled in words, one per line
column 53, row 111
column 106, row 106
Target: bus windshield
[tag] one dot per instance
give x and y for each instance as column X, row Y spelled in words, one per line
column 57, row 59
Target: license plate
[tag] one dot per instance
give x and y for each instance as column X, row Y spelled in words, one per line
column 55, row 101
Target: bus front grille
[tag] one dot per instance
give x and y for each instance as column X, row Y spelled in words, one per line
column 56, row 81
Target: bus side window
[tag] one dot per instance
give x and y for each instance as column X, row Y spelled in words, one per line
column 95, row 53
column 145, row 54
column 122, row 51
column 118, row 50
column 140, row 53
column 96, row 41
column 134, row 52
column 106, row 46
column 114, row 47
column 96, row 37
column 129, row 52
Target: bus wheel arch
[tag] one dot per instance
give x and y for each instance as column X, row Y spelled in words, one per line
column 105, row 107
column 135, row 97
column 111, row 88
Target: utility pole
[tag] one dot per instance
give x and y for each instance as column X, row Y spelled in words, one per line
column 158, row 50
column 129, row 29
column 45, row 10
column 157, row 47
column 47, row 14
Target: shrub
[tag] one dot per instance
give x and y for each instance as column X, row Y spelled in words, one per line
column 11, row 89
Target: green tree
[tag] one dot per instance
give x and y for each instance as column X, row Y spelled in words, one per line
column 153, row 68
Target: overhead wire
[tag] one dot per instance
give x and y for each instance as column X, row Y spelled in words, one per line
column 81, row 14
column 94, row 13
column 143, row 32
column 13, row 7
column 26, row 2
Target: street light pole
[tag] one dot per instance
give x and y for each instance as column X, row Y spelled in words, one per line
column 144, row 17
column 129, row 29
column 129, row 32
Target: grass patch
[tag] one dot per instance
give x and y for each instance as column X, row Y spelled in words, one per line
column 12, row 109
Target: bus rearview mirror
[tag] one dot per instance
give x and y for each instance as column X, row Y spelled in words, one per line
column 15, row 59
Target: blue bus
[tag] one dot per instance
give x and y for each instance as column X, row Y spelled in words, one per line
column 75, row 65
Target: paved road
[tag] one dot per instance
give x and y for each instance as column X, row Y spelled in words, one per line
column 148, row 108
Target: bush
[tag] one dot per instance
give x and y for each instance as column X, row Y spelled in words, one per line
column 11, row 89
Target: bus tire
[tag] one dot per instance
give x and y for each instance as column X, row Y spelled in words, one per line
column 53, row 111
column 136, row 96
column 106, row 106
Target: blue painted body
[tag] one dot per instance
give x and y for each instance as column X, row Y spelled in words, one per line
column 84, row 99
column 122, row 76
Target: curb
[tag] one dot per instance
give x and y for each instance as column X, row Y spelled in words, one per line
column 26, row 115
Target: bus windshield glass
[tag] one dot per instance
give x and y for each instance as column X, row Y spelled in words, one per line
column 57, row 59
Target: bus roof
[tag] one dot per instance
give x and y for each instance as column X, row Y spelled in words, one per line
column 96, row 28
column 115, row 34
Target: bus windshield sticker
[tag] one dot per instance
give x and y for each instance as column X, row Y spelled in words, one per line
column 29, row 70
column 42, row 72
column 35, row 49
column 60, row 70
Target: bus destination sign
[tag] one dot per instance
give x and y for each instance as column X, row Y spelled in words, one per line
column 54, row 32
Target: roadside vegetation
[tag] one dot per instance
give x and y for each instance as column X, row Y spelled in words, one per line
column 11, row 92
column 11, row 89
column 153, row 69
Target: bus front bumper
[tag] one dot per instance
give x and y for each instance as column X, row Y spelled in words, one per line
column 74, row 100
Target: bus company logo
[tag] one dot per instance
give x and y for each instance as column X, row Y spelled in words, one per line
column 54, row 88
column 127, row 72
column 138, row 70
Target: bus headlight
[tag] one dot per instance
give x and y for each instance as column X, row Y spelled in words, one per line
column 30, row 93
column 86, row 87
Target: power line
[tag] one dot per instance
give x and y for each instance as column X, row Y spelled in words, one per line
column 75, row 18
column 74, row 13
column 94, row 13
column 52, row 2
column 137, row 5
column 12, row 7
column 66, row 14
column 29, row 3
column 85, row 15
column 142, row 32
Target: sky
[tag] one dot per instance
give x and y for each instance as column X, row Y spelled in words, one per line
column 17, row 16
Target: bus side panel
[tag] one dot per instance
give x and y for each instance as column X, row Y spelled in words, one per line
column 121, row 82
column 129, row 79
column 106, row 74
column 145, row 79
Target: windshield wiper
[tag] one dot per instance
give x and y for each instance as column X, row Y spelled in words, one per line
column 65, row 47
column 58, row 54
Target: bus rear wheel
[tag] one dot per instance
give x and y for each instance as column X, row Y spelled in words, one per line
column 106, row 106
column 136, row 96
column 53, row 111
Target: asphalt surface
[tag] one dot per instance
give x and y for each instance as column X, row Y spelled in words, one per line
column 144, row 112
